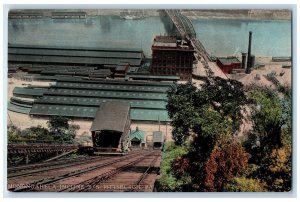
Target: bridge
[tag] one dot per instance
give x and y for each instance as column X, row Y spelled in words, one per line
column 39, row 148
column 187, row 31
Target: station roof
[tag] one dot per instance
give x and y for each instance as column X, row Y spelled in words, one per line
column 155, row 77
column 95, row 102
column 75, row 48
column 75, row 52
column 72, row 59
column 112, row 87
column 19, row 109
column 138, row 134
column 228, row 60
column 122, row 82
column 168, row 41
column 29, row 91
column 90, row 112
column 111, row 116
column 63, row 110
column 149, row 115
column 106, row 94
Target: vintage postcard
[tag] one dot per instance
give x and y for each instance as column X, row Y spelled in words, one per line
column 137, row 100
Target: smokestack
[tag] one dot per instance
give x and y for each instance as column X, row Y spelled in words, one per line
column 248, row 70
column 244, row 55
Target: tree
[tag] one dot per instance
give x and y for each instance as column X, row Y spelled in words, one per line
column 270, row 141
column 58, row 124
column 242, row 184
column 217, row 96
column 13, row 133
column 228, row 160
column 202, row 118
column 168, row 182
column 61, row 130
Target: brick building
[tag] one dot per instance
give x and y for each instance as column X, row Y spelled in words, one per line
column 172, row 57
column 227, row 64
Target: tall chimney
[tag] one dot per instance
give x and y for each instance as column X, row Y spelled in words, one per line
column 244, row 55
column 248, row 70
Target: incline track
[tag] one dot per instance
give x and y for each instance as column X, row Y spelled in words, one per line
column 117, row 181
column 47, row 167
column 62, row 178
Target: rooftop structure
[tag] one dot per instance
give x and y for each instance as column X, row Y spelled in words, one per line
column 137, row 138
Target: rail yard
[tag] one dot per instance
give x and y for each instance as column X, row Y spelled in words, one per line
column 136, row 171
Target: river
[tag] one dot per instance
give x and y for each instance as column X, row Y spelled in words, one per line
column 221, row 37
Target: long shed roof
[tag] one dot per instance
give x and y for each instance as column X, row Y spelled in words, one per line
column 107, row 94
column 72, row 59
column 77, row 53
column 95, row 102
column 112, row 87
column 111, row 116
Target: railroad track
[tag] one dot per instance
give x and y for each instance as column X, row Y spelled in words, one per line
column 94, row 184
column 45, row 181
column 32, row 170
column 41, row 165
column 143, row 176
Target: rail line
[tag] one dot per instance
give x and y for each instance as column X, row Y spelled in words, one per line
column 93, row 183
column 40, row 165
column 52, row 167
column 41, row 182
column 144, row 175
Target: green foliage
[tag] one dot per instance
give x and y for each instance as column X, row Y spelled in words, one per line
column 168, row 182
column 270, row 141
column 205, row 117
column 242, row 184
column 58, row 124
column 217, row 105
column 60, row 132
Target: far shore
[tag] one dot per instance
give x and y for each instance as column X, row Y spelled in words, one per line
column 246, row 14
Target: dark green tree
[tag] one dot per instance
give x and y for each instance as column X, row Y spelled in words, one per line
column 61, row 130
column 204, row 117
column 270, row 141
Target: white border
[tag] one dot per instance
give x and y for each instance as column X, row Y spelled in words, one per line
column 90, row 4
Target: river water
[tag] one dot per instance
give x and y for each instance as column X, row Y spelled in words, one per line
column 221, row 37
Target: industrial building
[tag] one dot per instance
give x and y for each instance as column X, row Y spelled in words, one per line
column 81, row 99
column 73, row 56
column 227, row 64
column 173, row 57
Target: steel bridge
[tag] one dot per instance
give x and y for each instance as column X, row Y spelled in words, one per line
column 39, row 148
column 187, row 31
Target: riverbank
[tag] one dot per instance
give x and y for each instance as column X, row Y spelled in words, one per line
column 250, row 14
column 254, row 14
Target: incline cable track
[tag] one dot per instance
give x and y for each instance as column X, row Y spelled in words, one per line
column 93, row 183
column 59, row 165
column 45, row 181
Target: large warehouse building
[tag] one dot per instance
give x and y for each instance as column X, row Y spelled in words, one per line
column 172, row 57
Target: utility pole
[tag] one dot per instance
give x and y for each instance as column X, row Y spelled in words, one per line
column 158, row 124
